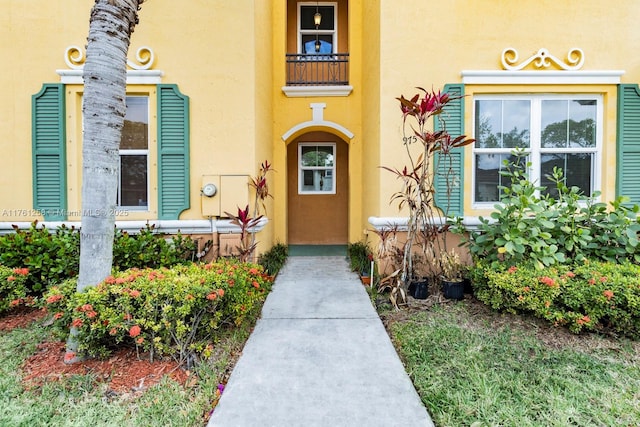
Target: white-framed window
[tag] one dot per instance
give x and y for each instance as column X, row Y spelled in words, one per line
column 322, row 38
column 562, row 131
column 316, row 168
column 133, row 177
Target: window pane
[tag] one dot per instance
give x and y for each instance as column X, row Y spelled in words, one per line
column 488, row 177
column 133, row 181
column 554, row 123
column 324, row 43
column 582, row 123
column 488, row 124
column 326, row 21
column 516, row 124
column 576, row 167
column 309, row 156
column 502, row 124
column 317, row 180
column 321, row 156
column 568, row 123
column 135, row 133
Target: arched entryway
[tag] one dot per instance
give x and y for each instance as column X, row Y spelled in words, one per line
column 318, row 190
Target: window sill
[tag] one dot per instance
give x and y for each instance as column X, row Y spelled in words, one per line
column 311, row 91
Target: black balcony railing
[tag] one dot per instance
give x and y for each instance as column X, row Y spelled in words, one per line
column 323, row 69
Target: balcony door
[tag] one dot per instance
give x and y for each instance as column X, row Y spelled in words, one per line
column 317, row 27
column 318, row 190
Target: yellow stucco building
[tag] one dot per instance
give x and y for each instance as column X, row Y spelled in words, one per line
column 217, row 87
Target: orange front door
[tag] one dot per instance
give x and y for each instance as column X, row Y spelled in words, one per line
column 318, row 190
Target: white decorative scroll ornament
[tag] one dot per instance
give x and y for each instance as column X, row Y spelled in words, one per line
column 74, row 58
column 139, row 71
column 543, row 59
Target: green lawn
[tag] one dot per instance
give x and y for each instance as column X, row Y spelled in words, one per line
column 470, row 366
column 477, row 368
column 81, row 401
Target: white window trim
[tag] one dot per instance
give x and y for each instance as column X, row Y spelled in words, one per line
column 300, row 168
column 137, row 152
column 334, row 32
column 534, row 149
column 134, row 77
column 541, row 77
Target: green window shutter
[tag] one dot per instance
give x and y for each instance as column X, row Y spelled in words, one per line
column 173, row 152
column 628, row 151
column 453, row 166
column 49, row 152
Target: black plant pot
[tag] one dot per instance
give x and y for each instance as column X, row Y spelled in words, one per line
column 412, row 289
column 420, row 289
column 468, row 289
column 453, row 290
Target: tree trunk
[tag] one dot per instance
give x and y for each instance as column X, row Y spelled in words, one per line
column 103, row 111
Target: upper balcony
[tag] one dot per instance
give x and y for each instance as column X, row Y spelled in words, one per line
column 316, row 34
column 321, row 69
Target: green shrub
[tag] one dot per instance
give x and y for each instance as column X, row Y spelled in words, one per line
column 591, row 295
column 163, row 311
column 49, row 256
column 54, row 256
column 360, row 256
column 13, row 289
column 150, row 249
column 553, row 226
column 273, row 259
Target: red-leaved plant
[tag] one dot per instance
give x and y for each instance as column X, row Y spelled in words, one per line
column 247, row 239
column 425, row 226
column 247, row 223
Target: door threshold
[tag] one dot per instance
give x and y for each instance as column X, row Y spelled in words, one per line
column 318, row 250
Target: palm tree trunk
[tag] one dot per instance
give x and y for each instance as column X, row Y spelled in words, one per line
column 103, row 111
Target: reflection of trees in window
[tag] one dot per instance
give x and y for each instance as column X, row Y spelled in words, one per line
column 513, row 139
column 317, row 156
column 484, row 137
column 134, row 135
column 566, row 133
column 570, row 133
column 316, row 168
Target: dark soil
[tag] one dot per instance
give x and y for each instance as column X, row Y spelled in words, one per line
column 125, row 371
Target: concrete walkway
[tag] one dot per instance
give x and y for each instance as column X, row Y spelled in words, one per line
column 319, row 356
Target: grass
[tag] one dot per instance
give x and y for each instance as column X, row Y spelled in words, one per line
column 486, row 369
column 81, row 401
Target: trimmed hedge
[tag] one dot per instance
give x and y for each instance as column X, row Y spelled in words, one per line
column 166, row 312
column 54, row 256
column 586, row 296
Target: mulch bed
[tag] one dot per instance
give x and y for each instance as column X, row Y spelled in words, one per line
column 20, row 317
column 123, row 371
